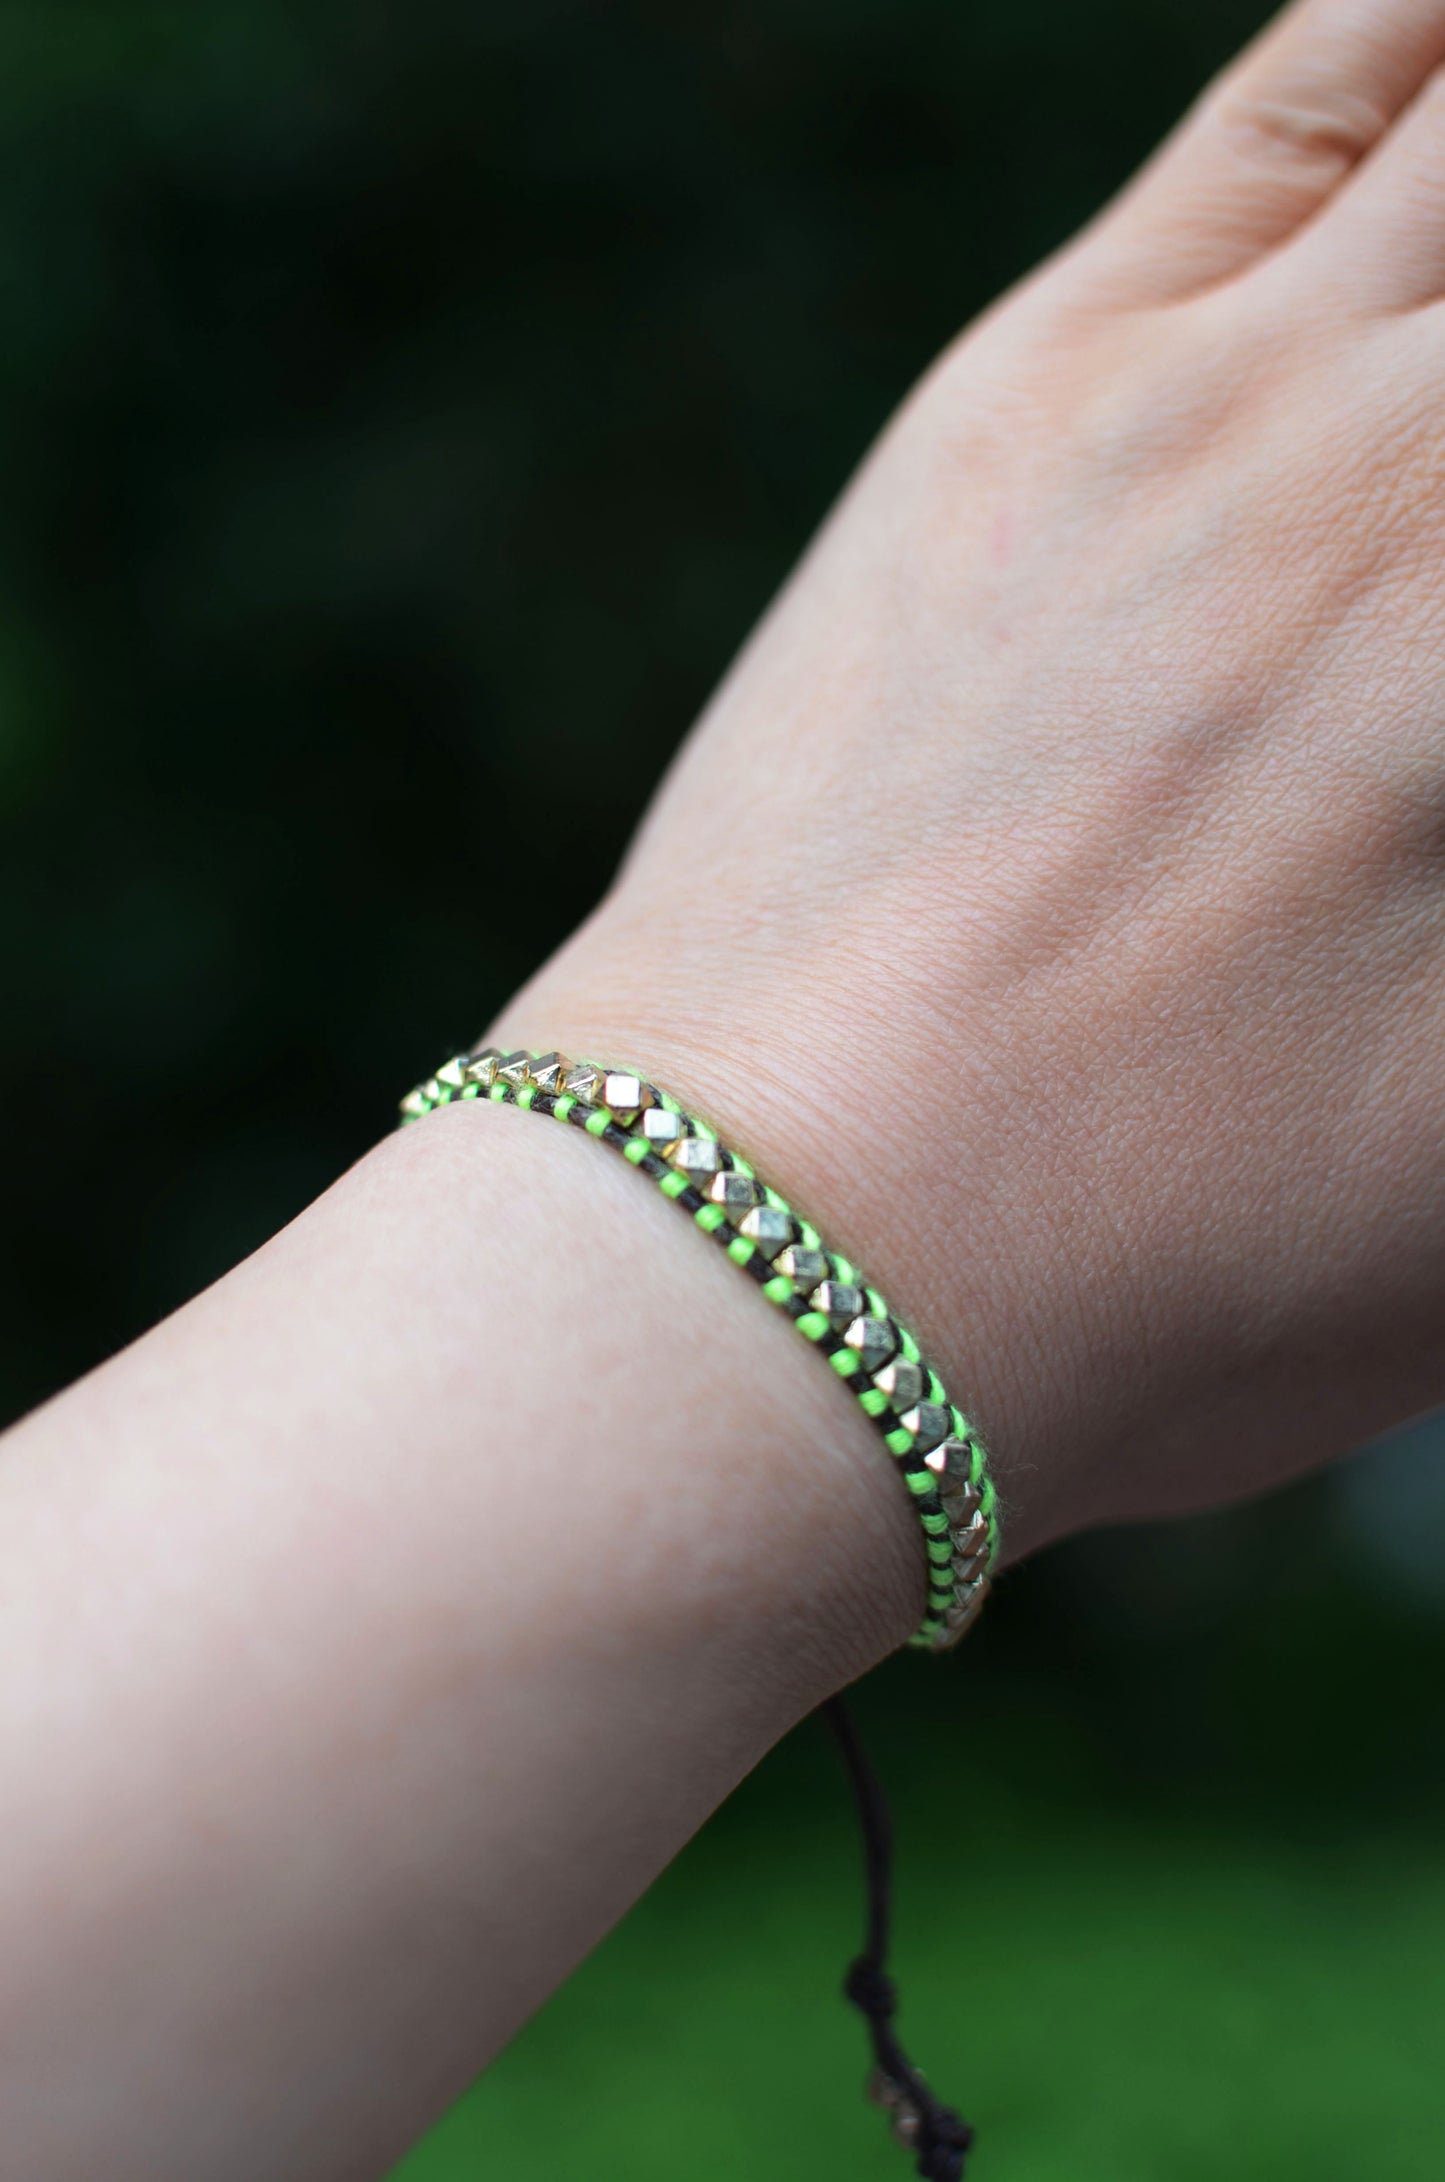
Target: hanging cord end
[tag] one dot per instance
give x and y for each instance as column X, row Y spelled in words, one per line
column 938, row 2137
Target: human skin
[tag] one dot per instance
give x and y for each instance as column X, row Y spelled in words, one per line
column 373, row 1632
column 1053, row 896
column 1051, row 901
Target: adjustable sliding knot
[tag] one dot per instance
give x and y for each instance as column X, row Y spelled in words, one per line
column 871, row 1990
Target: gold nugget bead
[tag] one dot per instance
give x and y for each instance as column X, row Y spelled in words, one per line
column 965, row 1610
column 907, row 2123
column 415, row 1104
column 873, row 1338
column 952, row 1466
column 951, row 1462
column 966, row 1590
column 736, row 1193
column 662, row 1129
column 960, row 1507
column 838, row 1300
column 930, row 1424
column 884, row 2090
column 583, row 1082
column 453, row 1073
column 972, row 1542
column 548, row 1070
column 514, row 1069
column 804, row 1267
column 698, row 1157
column 770, row 1229
column 901, row 1381
column 482, row 1065
column 625, row 1096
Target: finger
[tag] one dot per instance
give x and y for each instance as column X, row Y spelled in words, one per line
column 1270, row 142
column 1382, row 238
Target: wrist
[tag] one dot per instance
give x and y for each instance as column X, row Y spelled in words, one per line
column 480, row 1532
column 716, row 1479
column 904, row 1179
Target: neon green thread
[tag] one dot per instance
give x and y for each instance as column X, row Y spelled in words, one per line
column 939, row 1622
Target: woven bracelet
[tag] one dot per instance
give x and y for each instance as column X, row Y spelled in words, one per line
column 940, row 1457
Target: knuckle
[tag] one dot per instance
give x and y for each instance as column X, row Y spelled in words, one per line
column 1301, row 126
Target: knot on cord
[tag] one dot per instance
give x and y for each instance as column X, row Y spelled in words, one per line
column 871, row 1990
column 937, row 2138
column 943, row 2145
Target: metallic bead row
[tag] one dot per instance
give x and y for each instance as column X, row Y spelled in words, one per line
column 941, row 1458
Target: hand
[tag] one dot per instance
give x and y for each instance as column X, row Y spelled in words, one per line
column 1053, row 898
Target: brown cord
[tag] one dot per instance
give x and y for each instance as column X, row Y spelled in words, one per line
column 938, row 2137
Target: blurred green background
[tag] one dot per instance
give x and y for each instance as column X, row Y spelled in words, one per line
column 405, row 412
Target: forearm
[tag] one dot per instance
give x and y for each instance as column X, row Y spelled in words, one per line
column 375, row 1629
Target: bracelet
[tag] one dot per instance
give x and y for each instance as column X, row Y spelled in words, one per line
column 942, row 1460
column 939, row 1455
